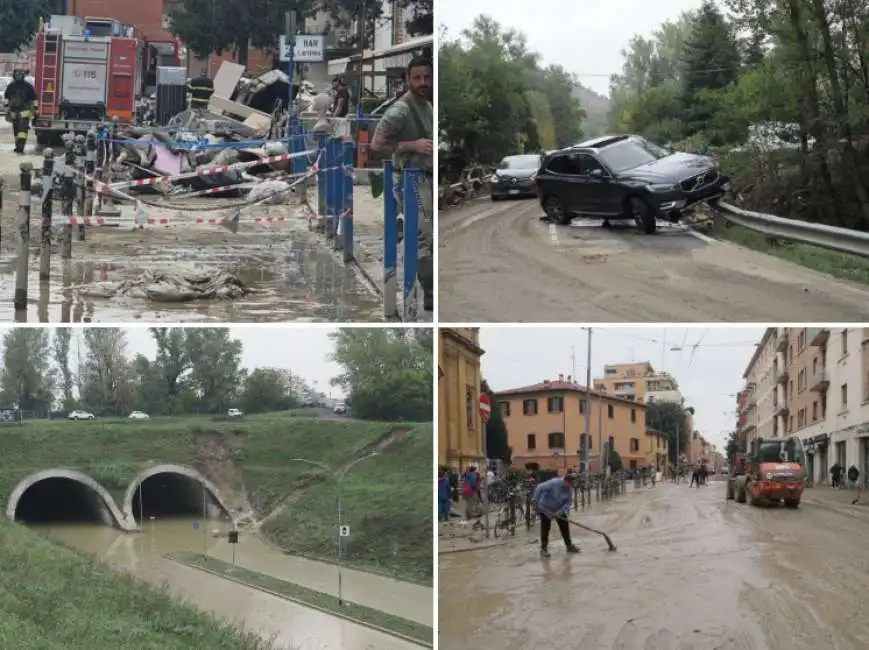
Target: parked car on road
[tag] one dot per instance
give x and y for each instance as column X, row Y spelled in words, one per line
column 626, row 177
column 234, row 413
column 81, row 415
column 340, row 408
column 514, row 177
column 138, row 415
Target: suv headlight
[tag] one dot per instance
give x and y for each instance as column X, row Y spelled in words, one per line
column 661, row 187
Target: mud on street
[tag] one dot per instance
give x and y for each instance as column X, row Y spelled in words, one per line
column 292, row 273
column 500, row 262
column 692, row 572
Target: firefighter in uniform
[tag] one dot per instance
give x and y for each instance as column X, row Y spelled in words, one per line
column 22, row 103
column 201, row 89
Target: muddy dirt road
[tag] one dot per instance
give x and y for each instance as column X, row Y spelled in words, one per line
column 692, row 572
column 499, row 262
column 292, row 274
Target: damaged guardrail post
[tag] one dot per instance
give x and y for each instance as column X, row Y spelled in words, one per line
column 347, row 213
column 390, row 244
column 23, row 261
column 47, row 209
column 410, row 180
column 68, row 197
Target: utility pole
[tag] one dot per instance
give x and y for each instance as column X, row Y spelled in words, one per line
column 587, row 436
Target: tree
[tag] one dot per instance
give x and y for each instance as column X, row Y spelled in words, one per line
column 669, row 418
column 497, row 445
column 387, row 374
column 19, row 20
column 215, row 362
column 62, row 338
column 733, row 446
column 26, row 378
column 269, row 389
column 614, row 461
column 107, row 375
column 496, row 99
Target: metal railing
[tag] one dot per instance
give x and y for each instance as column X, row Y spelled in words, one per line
column 841, row 240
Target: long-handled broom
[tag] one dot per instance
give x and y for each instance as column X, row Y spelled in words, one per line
column 609, row 542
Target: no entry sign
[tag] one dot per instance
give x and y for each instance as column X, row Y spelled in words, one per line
column 485, row 407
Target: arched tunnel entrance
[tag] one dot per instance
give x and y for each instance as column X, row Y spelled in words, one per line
column 169, row 493
column 61, row 500
column 62, row 496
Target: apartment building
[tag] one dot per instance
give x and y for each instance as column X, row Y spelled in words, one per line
column 546, row 424
column 828, row 397
column 639, row 382
column 460, row 431
column 763, row 407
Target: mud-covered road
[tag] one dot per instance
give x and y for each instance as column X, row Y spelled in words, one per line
column 692, row 572
column 499, row 262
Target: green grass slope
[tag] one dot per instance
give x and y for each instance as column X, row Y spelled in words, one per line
column 388, row 504
column 53, row 598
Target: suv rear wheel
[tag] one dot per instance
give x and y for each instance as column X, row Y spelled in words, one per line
column 555, row 211
column 643, row 215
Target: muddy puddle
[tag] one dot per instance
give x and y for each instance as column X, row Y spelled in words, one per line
column 287, row 624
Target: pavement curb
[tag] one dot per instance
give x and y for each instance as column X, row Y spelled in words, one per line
column 301, row 603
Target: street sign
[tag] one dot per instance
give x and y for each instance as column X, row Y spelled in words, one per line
column 485, row 407
column 307, row 48
column 344, row 531
column 233, row 537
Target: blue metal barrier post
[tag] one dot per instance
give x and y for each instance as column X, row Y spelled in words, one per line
column 333, row 189
column 347, row 212
column 390, row 244
column 321, row 182
column 410, row 180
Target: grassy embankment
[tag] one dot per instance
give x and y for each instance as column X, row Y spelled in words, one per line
column 53, row 598
column 388, row 498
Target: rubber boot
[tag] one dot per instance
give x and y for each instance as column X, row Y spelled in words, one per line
column 425, row 275
column 572, row 549
column 544, row 553
column 19, row 145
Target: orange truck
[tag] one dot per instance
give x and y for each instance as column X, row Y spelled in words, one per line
column 774, row 470
column 88, row 70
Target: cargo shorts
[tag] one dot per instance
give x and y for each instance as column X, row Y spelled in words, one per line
column 425, row 199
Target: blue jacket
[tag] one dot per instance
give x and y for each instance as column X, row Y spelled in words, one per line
column 445, row 493
column 553, row 497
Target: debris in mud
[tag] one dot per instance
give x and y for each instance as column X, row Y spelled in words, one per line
column 172, row 287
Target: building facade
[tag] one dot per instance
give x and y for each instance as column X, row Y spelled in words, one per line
column 761, row 407
column 639, row 382
column 546, row 423
column 460, row 430
column 658, row 447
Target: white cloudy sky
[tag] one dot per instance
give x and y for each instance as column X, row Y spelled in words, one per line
column 304, row 350
column 707, row 362
column 585, row 37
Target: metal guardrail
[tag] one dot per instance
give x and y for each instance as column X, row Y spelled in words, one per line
column 842, row 240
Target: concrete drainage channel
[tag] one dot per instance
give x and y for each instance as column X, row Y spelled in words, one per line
column 60, row 494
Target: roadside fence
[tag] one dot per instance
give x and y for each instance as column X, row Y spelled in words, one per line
column 841, row 240
column 82, row 182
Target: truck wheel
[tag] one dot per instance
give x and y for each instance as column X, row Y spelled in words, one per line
column 792, row 503
column 556, row 211
column 752, row 500
column 643, row 215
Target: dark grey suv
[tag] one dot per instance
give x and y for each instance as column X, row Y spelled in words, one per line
column 626, row 177
column 514, row 177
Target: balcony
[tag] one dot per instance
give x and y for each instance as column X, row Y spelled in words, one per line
column 781, row 344
column 818, row 336
column 781, row 375
column 780, row 408
column 819, row 382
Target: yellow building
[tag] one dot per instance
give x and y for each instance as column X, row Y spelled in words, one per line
column 545, row 423
column 658, row 449
column 460, row 431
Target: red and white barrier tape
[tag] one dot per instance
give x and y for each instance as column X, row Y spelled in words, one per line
column 198, row 221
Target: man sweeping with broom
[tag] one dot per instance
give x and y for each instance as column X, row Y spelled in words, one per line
column 553, row 499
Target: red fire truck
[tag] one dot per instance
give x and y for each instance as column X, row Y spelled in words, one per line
column 87, row 70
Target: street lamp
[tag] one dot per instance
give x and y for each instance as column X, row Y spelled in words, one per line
column 340, row 480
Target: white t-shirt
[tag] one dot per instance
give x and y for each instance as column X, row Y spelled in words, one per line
column 490, row 477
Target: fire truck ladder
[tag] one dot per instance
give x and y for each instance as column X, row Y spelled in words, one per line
column 50, row 62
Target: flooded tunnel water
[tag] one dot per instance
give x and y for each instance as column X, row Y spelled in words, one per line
column 59, row 499
column 169, row 494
